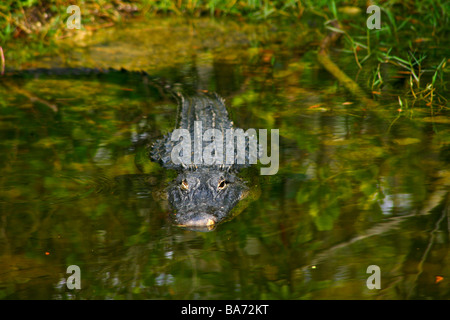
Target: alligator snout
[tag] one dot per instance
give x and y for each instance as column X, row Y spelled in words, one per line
column 197, row 219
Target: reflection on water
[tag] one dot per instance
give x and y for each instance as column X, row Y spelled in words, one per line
column 353, row 190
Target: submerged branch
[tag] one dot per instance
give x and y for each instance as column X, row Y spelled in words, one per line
column 444, row 214
column 440, row 195
column 32, row 97
column 331, row 67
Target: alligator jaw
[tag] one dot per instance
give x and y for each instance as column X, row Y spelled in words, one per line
column 206, row 220
column 206, row 223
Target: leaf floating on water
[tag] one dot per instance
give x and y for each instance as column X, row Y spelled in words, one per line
column 406, row 141
column 318, row 107
column 315, row 106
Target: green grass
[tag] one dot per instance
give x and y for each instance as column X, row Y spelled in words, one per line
column 45, row 18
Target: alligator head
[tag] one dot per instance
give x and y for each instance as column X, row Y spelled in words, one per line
column 203, row 198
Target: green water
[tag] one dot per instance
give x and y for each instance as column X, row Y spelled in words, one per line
column 355, row 187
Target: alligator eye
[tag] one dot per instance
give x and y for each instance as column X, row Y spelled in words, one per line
column 222, row 185
column 184, row 185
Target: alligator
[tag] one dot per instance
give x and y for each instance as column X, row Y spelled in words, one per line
column 203, row 194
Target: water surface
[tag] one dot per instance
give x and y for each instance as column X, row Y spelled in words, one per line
column 355, row 187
